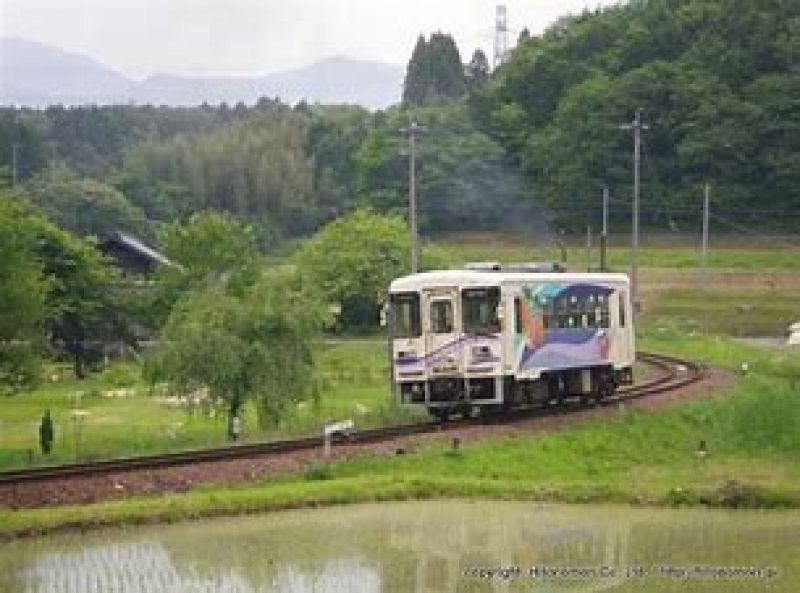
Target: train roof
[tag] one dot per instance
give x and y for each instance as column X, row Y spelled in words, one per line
column 476, row 278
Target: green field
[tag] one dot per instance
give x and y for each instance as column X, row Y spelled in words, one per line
column 122, row 416
column 658, row 251
column 747, row 290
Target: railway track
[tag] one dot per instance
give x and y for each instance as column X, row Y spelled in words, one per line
column 672, row 373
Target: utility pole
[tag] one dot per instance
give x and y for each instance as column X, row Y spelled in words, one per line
column 14, row 148
column 704, row 275
column 53, row 153
column 412, row 130
column 588, row 248
column 604, row 234
column 637, row 126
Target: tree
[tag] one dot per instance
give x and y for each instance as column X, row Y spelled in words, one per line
column 85, row 309
column 53, row 284
column 85, row 207
column 256, row 345
column 22, row 289
column 465, row 179
column 209, row 248
column 477, row 71
column 209, row 244
column 256, row 168
column 434, row 72
column 353, row 259
column 25, row 130
column 714, row 80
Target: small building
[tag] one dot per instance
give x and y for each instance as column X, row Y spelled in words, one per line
column 132, row 256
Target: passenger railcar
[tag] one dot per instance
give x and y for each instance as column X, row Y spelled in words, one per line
column 494, row 337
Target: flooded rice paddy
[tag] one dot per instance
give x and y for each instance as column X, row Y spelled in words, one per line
column 442, row 546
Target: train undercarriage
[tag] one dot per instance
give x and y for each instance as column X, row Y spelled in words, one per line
column 447, row 397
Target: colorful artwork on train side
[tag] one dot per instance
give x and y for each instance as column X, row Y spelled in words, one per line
column 562, row 325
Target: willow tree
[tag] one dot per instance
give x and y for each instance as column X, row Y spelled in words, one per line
column 253, row 344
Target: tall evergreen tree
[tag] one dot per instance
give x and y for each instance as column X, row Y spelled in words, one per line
column 434, row 72
column 477, row 71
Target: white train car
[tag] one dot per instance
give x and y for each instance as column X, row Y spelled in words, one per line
column 494, row 336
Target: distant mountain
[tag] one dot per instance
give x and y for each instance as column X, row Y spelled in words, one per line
column 35, row 74
column 341, row 80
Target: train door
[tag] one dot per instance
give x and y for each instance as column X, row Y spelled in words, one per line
column 621, row 327
column 441, row 314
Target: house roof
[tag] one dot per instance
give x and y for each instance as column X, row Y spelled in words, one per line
column 133, row 244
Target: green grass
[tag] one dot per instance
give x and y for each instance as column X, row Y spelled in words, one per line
column 353, row 383
column 752, row 432
column 729, row 311
column 663, row 252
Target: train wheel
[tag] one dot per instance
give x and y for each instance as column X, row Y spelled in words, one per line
column 604, row 390
column 555, row 391
column 440, row 415
column 486, row 413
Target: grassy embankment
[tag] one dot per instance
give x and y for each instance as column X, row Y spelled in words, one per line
column 753, row 432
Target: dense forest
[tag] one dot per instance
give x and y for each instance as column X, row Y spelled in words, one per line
column 717, row 82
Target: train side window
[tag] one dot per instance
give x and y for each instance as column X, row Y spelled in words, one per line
column 603, row 311
column 517, row 315
column 560, row 315
column 549, row 313
column 622, row 299
column 442, row 317
column 577, row 309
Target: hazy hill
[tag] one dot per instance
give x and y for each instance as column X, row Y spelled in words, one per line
column 37, row 75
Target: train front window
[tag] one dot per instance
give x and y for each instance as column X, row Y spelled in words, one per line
column 480, row 310
column 405, row 315
column 442, row 317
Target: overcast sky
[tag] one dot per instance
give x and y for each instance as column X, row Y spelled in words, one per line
column 245, row 37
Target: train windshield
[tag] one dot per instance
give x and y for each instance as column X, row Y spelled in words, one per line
column 405, row 315
column 442, row 316
column 480, row 310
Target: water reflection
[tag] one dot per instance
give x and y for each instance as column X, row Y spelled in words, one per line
column 148, row 568
column 443, row 546
column 129, row 568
